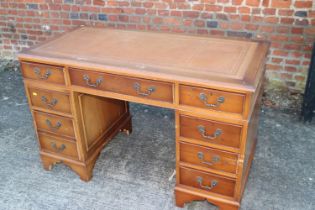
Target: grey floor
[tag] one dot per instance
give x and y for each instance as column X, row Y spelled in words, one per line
column 132, row 172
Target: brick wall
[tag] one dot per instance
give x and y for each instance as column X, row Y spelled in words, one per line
column 288, row 24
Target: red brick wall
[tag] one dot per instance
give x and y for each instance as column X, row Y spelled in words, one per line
column 288, row 24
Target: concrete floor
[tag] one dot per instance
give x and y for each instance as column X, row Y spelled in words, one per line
column 132, row 172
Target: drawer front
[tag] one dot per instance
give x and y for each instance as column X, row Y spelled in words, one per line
column 58, row 146
column 207, row 181
column 50, row 100
column 43, row 72
column 54, row 124
column 208, row 157
column 161, row 91
column 211, row 99
column 210, row 131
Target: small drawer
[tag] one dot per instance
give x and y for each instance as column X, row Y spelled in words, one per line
column 211, row 99
column 207, row 181
column 208, row 157
column 209, row 131
column 50, row 100
column 54, row 124
column 53, row 74
column 58, row 145
column 155, row 90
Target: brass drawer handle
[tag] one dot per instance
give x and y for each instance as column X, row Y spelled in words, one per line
column 89, row 83
column 56, row 127
column 202, row 131
column 58, row 150
column 213, row 184
column 49, row 104
column 148, row 92
column 39, row 75
column 214, row 160
column 204, row 98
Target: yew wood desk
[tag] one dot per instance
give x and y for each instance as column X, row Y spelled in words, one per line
column 79, row 85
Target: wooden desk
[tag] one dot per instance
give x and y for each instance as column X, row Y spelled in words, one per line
column 79, row 85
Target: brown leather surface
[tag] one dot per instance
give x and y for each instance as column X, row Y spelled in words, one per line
column 194, row 57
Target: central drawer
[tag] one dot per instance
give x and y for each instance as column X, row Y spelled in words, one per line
column 155, row 90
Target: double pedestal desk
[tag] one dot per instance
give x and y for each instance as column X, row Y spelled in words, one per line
column 79, row 84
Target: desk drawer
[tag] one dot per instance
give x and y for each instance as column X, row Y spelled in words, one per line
column 50, row 100
column 209, row 131
column 54, row 124
column 211, row 99
column 155, row 90
column 207, row 181
column 58, row 145
column 208, row 157
column 43, row 72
